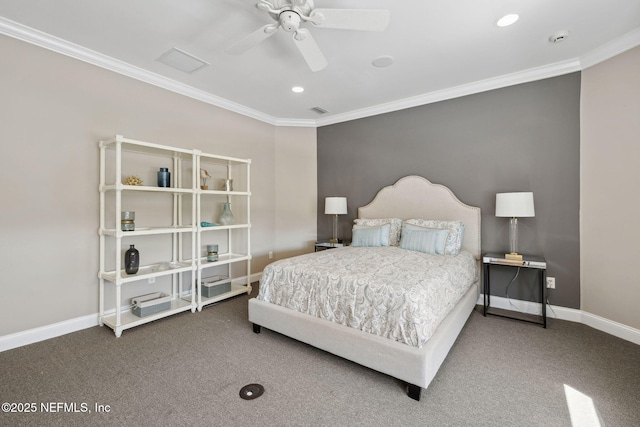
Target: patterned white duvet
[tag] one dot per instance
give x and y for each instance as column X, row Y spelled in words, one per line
column 388, row 291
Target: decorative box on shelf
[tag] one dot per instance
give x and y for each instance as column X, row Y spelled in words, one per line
column 215, row 285
column 145, row 305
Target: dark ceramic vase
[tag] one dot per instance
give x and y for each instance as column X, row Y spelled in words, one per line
column 131, row 260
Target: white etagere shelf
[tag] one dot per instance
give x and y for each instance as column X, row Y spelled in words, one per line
column 186, row 262
column 232, row 168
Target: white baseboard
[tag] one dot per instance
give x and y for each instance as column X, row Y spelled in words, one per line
column 616, row 329
column 19, row 339
column 610, row 327
column 563, row 313
column 255, row 277
column 42, row 333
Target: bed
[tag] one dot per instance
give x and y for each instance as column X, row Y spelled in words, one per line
column 413, row 356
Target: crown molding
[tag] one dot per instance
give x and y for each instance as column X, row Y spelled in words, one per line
column 611, row 49
column 525, row 76
column 296, row 123
column 58, row 45
column 600, row 54
column 47, row 41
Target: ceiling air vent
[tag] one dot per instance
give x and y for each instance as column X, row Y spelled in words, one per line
column 319, row 110
column 182, row 61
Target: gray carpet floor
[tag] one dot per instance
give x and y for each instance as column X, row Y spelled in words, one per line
column 188, row 370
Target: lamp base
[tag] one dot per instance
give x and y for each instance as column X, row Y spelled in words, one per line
column 513, row 256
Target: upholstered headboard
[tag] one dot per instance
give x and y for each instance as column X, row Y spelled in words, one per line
column 416, row 197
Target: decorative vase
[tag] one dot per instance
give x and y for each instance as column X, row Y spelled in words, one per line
column 128, row 220
column 164, row 177
column 227, row 216
column 131, row 260
column 212, row 253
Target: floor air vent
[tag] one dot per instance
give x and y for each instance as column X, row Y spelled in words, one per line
column 251, row 391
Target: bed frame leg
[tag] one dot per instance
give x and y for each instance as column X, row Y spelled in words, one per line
column 256, row 329
column 413, row 391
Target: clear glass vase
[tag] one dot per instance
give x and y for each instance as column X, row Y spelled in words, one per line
column 226, row 218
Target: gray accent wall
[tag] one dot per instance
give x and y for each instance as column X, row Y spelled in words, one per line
column 519, row 138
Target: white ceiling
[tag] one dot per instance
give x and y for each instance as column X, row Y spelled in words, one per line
column 441, row 49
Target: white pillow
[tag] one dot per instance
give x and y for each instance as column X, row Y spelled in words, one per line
column 395, row 226
column 456, row 232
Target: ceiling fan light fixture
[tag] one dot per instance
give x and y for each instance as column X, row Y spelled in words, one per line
column 290, row 21
column 507, row 20
column 297, row 89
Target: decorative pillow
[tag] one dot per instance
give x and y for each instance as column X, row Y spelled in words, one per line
column 370, row 236
column 394, row 231
column 456, row 235
column 423, row 239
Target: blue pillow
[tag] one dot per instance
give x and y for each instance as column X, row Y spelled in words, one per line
column 456, row 232
column 422, row 239
column 370, row 236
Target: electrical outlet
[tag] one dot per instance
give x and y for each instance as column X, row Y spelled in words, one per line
column 270, row 255
column 551, row 282
column 152, row 280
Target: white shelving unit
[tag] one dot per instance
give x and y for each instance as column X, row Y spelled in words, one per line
column 235, row 237
column 174, row 246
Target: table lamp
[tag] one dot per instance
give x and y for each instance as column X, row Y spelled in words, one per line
column 514, row 206
column 335, row 206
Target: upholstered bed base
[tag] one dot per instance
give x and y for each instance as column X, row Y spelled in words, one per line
column 415, row 366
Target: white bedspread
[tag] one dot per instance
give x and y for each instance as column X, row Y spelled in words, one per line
column 388, row 291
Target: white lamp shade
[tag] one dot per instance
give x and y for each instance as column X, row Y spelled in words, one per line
column 335, row 205
column 515, row 205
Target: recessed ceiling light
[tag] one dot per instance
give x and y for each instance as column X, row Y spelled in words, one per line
column 297, row 89
column 507, row 20
column 383, row 61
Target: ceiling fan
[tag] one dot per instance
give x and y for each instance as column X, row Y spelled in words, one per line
column 291, row 14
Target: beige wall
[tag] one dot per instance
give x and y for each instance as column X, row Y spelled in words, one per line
column 610, row 199
column 296, row 181
column 54, row 110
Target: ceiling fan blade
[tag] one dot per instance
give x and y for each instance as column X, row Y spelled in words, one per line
column 351, row 19
column 252, row 39
column 265, row 6
column 309, row 50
